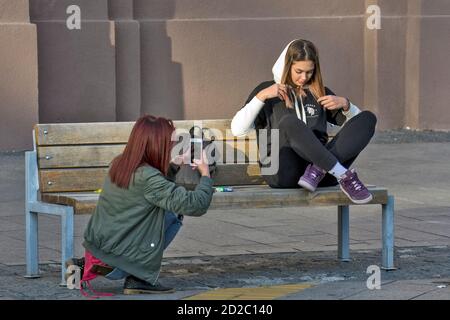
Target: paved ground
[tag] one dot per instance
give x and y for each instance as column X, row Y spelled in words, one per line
column 286, row 253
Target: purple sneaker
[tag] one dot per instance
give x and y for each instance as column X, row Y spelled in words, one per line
column 311, row 178
column 354, row 188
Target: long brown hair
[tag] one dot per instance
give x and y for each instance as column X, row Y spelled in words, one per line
column 149, row 143
column 303, row 50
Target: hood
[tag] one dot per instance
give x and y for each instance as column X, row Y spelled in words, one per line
column 278, row 67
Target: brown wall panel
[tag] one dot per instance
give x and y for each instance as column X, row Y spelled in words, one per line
column 230, row 9
column 435, row 74
column 128, row 60
column 198, row 59
column 76, row 67
column 206, row 69
column 436, row 7
column 18, row 76
column 391, row 72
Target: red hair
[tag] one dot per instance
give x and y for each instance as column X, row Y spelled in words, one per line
column 149, row 143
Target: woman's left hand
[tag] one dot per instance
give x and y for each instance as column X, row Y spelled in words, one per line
column 333, row 102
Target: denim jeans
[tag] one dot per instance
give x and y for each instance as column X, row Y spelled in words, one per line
column 172, row 224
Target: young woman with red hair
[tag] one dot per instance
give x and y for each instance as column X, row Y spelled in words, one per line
column 136, row 215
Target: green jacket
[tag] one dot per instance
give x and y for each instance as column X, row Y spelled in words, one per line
column 127, row 228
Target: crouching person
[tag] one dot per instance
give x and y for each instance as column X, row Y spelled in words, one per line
column 140, row 211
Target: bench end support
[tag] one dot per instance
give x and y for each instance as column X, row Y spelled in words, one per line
column 343, row 233
column 388, row 234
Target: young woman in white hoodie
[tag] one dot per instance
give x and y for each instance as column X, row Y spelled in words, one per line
column 306, row 112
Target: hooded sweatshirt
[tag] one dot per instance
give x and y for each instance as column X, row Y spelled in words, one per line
column 256, row 114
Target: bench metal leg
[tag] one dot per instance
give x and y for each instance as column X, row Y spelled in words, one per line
column 32, row 253
column 388, row 234
column 31, row 216
column 343, row 233
column 66, row 240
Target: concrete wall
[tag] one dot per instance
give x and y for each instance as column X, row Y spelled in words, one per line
column 194, row 59
column 18, row 76
column 202, row 59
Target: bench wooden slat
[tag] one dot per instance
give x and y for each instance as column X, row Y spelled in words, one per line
column 86, row 156
column 77, row 156
column 242, row 197
column 66, row 180
column 90, row 179
column 114, row 132
column 82, row 202
column 266, row 197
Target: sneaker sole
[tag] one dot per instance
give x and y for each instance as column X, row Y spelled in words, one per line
column 141, row 291
column 306, row 185
column 362, row 201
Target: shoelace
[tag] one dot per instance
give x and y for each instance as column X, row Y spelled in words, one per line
column 315, row 175
column 355, row 183
column 356, row 186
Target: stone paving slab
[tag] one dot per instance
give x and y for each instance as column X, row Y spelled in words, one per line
column 328, row 278
column 399, row 290
column 416, row 174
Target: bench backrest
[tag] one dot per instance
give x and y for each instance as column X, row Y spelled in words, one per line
column 75, row 156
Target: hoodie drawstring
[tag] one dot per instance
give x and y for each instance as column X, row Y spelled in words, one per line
column 301, row 116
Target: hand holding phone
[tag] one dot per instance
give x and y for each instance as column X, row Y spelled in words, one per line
column 201, row 165
column 196, row 150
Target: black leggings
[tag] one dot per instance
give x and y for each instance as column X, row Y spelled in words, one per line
column 300, row 147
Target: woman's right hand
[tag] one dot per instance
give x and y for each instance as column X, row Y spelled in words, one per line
column 202, row 165
column 275, row 90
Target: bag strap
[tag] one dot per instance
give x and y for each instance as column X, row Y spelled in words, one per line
column 203, row 130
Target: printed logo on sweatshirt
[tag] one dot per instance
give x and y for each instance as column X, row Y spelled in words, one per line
column 311, row 110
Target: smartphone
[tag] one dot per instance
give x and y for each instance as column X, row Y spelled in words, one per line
column 196, row 149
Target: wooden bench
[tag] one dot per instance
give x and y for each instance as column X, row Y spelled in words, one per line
column 70, row 161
